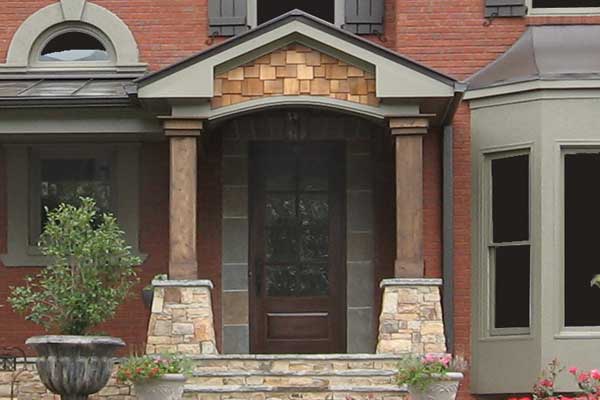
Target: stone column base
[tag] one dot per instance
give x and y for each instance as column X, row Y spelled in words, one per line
column 182, row 318
column 411, row 317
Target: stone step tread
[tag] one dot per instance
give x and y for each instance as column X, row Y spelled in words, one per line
column 306, row 357
column 297, row 389
column 308, row 373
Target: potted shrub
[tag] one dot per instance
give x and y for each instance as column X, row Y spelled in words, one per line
column 90, row 273
column 155, row 377
column 431, row 377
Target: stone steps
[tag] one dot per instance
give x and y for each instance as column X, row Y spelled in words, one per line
column 292, row 377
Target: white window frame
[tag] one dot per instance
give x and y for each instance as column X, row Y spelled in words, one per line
column 22, row 186
column 561, row 11
column 489, row 246
column 339, row 13
column 569, row 332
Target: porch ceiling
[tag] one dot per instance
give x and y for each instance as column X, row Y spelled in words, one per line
column 401, row 85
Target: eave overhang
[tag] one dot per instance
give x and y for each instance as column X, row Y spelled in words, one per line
column 548, row 57
column 398, row 79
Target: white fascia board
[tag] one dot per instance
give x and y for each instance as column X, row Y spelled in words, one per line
column 531, row 85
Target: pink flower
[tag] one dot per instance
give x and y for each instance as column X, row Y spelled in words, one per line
column 546, row 383
column 446, row 359
column 583, row 377
column 525, row 398
column 573, row 370
column 595, row 374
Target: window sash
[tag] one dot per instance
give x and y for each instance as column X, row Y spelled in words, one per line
column 491, row 246
column 72, row 152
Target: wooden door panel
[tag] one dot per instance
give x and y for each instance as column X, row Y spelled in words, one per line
column 299, row 326
column 297, row 282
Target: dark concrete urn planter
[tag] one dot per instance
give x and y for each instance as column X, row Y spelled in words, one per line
column 75, row 366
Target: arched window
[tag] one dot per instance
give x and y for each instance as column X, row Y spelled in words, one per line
column 75, row 36
column 72, row 44
column 74, row 47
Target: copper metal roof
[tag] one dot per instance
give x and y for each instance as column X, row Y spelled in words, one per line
column 555, row 52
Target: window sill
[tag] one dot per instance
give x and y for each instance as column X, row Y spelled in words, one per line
column 590, row 332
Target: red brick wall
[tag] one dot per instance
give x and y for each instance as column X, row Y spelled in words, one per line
column 447, row 35
column 131, row 321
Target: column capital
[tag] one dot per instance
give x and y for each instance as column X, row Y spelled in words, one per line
column 408, row 125
column 182, row 126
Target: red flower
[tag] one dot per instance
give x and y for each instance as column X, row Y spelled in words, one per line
column 595, row 374
column 546, row 383
column 573, row 370
column 583, row 377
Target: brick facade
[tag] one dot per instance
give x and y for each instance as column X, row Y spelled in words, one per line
column 447, row 35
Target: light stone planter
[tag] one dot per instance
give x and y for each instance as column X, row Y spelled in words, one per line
column 443, row 389
column 75, row 366
column 167, row 387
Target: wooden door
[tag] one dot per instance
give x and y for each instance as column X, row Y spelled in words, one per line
column 297, row 248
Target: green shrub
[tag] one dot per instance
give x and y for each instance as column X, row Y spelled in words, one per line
column 89, row 275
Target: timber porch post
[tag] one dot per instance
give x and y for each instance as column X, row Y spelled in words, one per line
column 411, row 320
column 183, row 136
column 408, row 141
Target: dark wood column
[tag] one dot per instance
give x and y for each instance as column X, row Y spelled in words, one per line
column 183, row 136
column 408, row 140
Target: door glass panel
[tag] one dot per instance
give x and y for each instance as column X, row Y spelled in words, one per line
column 313, row 209
column 280, row 209
column 281, row 244
column 299, row 280
column 314, row 243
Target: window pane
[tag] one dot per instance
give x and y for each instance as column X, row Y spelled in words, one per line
column 512, row 287
column 74, row 46
column 565, row 3
column 297, row 280
column 582, row 219
column 65, row 181
column 269, row 9
column 510, row 199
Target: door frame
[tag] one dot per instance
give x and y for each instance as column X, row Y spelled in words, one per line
column 340, row 319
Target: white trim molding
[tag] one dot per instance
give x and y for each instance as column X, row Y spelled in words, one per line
column 62, row 16
column 561, row 11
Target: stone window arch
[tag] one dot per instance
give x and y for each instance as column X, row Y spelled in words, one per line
column 69, row 18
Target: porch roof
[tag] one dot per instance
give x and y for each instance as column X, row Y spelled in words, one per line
column 39, row 89
column 398, row 79
column 545, row 53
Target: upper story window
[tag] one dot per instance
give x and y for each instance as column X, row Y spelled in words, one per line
column 563, row 6
column 269, row 9
column 73, row 36
column 565, row 3
column 232, row 17
column 74, row 47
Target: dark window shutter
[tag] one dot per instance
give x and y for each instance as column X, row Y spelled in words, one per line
column 364, row 16
column 505, row 8
column 227, row 17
